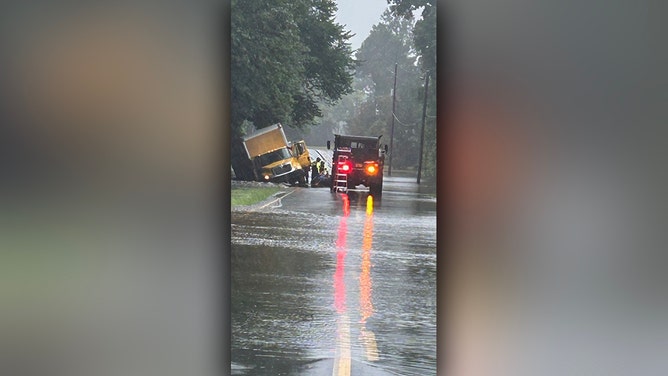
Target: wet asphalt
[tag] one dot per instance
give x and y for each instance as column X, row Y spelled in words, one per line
column 336, row 284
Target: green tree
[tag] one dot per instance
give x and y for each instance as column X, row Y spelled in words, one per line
column 424, row 31
column 335, row 118
column 390, row 42
column 288, row 57
column 424, row 37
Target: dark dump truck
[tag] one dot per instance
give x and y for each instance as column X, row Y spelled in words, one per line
column 357, row 160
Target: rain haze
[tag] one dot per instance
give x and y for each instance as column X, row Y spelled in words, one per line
column 359, row 17
column 332, row 260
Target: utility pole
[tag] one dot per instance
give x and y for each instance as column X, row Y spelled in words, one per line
column 424, row 116
column 394, row 102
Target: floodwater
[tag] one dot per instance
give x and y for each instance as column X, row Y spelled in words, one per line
column 333, row 283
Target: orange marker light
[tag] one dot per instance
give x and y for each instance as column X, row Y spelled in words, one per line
column 371, row 169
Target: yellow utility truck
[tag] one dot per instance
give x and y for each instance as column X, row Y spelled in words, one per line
column 272, row 157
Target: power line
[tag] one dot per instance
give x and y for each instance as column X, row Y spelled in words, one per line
column 402, row 123
column 407, row 71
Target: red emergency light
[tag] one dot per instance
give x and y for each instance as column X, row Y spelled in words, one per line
column 345, row 167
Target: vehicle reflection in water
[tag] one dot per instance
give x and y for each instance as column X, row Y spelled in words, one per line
column 360, row 198
column 369, row 208
column 339, row 282
column 304, row 300
column 367, row 337
column 343, row 362
column 346, row 205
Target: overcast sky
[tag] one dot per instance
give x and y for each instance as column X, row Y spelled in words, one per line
column 359, row 16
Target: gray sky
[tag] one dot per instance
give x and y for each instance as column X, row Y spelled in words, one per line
column 359, row 16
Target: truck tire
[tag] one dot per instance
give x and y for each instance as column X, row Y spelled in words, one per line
column 376, row 189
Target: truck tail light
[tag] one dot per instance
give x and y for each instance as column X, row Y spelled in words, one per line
column 371, row 168
column 345, row 167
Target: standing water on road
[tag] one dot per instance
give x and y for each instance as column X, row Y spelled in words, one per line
column 332, row 283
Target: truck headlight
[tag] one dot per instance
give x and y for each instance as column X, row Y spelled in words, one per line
column 266, row 177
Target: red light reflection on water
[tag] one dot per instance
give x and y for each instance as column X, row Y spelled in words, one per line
column 346, row 205
column 339, row 281
column 367, row 337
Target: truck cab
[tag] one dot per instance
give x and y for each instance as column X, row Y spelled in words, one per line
column 278, row 166
column 300, row 151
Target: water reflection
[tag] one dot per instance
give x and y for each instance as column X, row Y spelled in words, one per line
column 367, row 337
column 306, row 299
column 346, row 205
column 342, row 364
column 369, row 206
column 366, row 305
column 339, row 274
column 361, row 199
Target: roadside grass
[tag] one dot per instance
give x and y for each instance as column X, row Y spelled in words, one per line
column 249, row 196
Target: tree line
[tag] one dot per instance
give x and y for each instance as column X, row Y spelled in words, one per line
column 292, row 63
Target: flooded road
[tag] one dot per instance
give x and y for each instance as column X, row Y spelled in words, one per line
column 336, row 284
